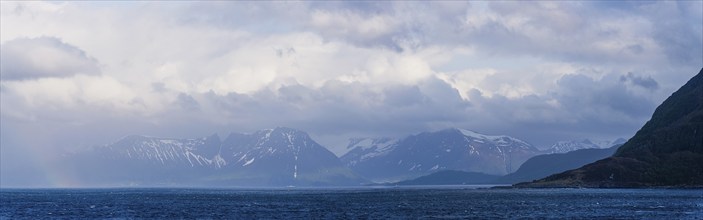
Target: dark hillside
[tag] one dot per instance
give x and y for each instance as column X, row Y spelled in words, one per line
column 666, row 151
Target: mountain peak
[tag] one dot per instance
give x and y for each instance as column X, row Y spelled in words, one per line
column 133, row 137
column 286, row 130
column 477, row 135
column 498, row 139
column 283, row 136
column 281, row 131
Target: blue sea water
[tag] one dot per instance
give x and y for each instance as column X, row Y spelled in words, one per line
column 356, row 203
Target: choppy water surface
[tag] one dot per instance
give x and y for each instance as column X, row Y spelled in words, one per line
column 351, row 203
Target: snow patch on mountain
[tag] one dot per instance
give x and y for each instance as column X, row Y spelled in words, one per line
column 366, row 148
column 380, row 144
column 498, row 139
column 567, row 146
column 164, row 151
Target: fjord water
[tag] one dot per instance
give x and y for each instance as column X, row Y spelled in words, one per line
column 351, row 203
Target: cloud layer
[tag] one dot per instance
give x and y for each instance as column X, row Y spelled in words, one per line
column 34, row 58
column 77, row 74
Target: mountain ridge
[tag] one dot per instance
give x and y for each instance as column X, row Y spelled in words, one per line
column 447, row 149
column 271, row 157
column 572, row 145
column 541, row 166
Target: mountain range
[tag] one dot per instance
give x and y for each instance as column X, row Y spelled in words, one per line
column 537, row 167
column 272, row 157
column 390, row 160
column 288, row 157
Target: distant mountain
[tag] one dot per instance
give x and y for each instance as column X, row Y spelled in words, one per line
column 273, row 157
column 167, row 152
column 450, row 149
column 362, row 149
column 284, row 156
column 666, row 151
column 567, row 146
column 544, row 165
column 449, row 177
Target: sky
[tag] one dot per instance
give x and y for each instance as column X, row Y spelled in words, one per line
column 81, row 74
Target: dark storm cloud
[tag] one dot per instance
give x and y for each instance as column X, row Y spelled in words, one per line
column 403, row 96
column 604, row 99
column 31, row 58
column 337, row 107
column 187, row 102
column 579, row 106
column 644, row 82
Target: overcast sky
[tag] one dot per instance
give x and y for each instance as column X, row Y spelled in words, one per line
column 79, row 74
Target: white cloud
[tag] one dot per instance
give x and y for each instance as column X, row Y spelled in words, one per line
column 342, row 68
column 346, row 23
column 68, row 99
column 29, row 58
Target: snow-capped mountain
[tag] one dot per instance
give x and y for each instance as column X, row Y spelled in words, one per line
column 272, row 157
column 200, row 152
column 361, row 149
column 427, row 152
column 289, row 155
column 567, row 146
